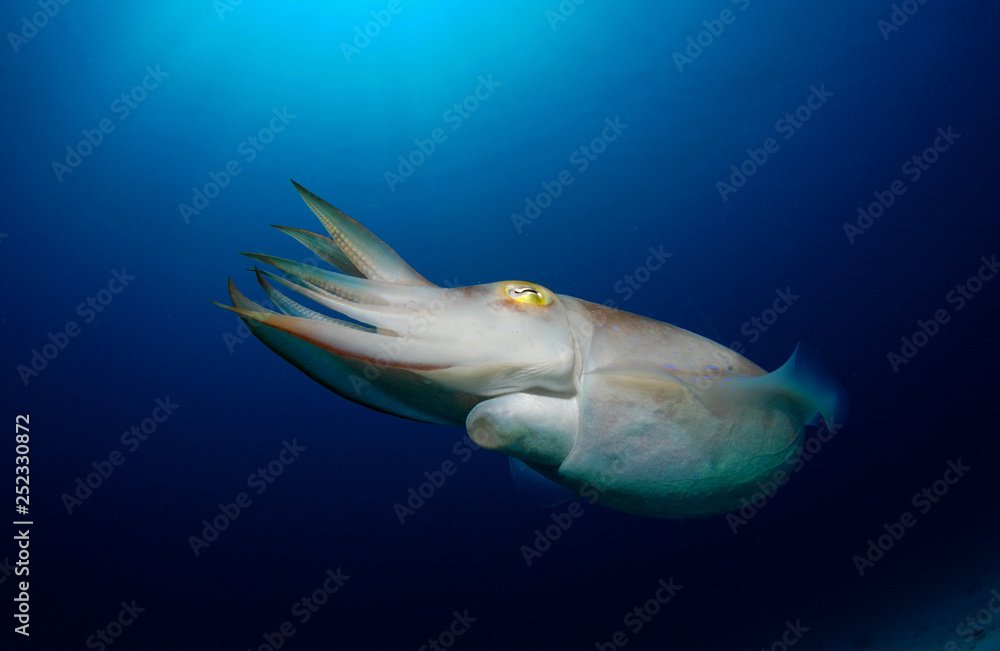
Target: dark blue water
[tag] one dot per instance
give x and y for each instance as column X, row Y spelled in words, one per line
column 146, row 144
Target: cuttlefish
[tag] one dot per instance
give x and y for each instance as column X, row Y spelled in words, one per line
column 656, row 420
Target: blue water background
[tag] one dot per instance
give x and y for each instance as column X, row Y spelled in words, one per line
column 224, row 72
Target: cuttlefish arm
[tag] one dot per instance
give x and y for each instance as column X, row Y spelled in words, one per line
column 658, row 420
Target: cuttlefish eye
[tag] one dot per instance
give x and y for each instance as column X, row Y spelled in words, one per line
column 529, row 293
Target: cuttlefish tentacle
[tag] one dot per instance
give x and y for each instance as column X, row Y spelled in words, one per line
column 360, row 344
column 291, row 308
column 390, row 390
column 369, row 254
column 325, row 248
column 387, row 317
column 354, row 289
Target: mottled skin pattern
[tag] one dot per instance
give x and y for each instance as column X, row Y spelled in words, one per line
column 657, row 420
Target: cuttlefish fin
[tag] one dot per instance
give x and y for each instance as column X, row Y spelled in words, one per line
column 367, row 253
column 802, row 381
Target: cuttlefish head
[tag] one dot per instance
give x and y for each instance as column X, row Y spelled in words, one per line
column 400, row 343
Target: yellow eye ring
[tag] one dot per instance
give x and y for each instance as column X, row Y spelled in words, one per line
column 529, row 293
